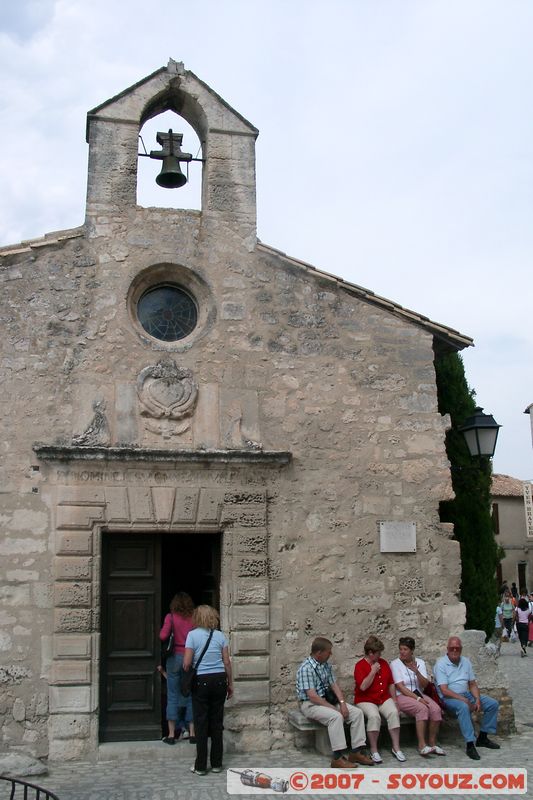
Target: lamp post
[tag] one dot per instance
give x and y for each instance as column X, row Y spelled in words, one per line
column 480, row 432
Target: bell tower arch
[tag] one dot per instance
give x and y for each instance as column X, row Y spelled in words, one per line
column 228, row 145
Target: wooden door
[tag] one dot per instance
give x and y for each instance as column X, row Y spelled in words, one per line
column 130, row 707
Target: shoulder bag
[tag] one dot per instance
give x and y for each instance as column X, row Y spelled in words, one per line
column 188, row 676
column 167, row 647
column 329, row 695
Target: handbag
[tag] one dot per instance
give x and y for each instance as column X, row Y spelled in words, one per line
column 431, row 691
column 167, row 647
column 188, row 676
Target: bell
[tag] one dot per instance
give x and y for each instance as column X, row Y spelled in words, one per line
column 171, row 176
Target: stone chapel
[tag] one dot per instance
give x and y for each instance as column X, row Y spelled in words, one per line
column 187, row 408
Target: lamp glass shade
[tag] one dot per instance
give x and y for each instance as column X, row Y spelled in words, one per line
column 481, row 432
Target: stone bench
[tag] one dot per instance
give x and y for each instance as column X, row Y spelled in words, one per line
column 301, row 723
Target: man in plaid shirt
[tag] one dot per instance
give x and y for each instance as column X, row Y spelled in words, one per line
column 314, row 680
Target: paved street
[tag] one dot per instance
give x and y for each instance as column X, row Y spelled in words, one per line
column 155, row 771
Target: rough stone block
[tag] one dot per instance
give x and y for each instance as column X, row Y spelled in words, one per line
column 73, row 568
column 72, row 620
column 252, row 567
column 251, row 592
column 72, row 594
column 256, row 542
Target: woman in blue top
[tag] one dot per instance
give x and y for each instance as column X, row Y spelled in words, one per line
column 212, row 685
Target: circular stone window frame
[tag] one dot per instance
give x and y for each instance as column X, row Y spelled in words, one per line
column 183, row 278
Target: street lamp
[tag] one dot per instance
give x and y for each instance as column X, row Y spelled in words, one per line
column 480, row 432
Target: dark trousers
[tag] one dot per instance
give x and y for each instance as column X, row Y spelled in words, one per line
column 208, row 697
column 522, row 630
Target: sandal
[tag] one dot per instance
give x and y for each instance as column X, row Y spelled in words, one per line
column 426, row 751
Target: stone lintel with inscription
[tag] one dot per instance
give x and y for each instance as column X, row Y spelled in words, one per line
column 47, row 452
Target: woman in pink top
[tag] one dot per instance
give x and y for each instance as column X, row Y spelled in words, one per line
column 179, row 622
column 522, row 614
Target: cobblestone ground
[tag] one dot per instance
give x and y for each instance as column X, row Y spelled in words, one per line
column 155, row 771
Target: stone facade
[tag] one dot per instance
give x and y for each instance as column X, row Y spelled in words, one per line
column 298, row 415
column 511, row 511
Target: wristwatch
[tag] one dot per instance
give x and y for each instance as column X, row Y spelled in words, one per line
column 342, row 702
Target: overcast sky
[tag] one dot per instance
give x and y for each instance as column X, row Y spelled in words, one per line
column 395, row 146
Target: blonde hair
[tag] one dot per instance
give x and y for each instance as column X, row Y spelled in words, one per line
column 205, row 617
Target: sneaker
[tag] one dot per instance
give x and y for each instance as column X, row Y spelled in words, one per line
column 360, row 758
column 198, row 771
column 472, row 752
column 398, row 755
column 438, row 750
column 341, row 763
column 427, row 751
column 217, row 769
column 192, row 739
column 168, row 740
column 185, row 734
column 484, row 741
column 376, row 758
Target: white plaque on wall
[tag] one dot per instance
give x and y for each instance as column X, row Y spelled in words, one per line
column 397, row 537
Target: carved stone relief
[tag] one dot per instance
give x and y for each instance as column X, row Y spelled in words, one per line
column 97, row 432
column 167, row 397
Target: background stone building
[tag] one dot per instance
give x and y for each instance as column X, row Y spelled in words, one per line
column 187, row 408
column 513, row 529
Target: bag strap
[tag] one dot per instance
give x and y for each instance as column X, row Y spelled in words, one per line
column 205, row 648
column 320, row 678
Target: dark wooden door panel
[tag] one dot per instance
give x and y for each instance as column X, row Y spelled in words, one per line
column 131, row 613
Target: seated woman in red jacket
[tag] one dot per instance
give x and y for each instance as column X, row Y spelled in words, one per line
column 375, row 695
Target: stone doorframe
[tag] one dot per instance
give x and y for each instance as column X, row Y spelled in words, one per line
column 88, row 500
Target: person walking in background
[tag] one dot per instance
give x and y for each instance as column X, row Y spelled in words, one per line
column 496, row 637
column 457, row 685
column 514, row 590
column 507, row 607
column 522, row 618
column 211, row 687
column 375, row 695
column 177, row 622
column 530, row 631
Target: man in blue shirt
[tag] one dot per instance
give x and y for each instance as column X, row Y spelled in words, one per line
column 315, row 680
column 457, row 685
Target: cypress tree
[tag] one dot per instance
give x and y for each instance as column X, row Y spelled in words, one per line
column 470, row 511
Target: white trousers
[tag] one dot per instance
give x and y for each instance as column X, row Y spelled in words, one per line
column 334, row 721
